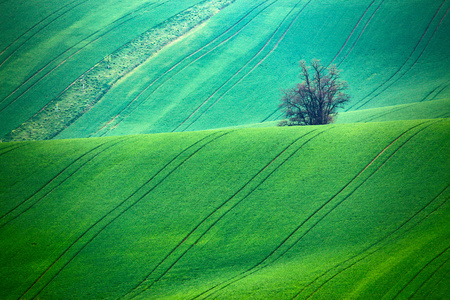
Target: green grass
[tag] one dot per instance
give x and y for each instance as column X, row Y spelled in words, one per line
column 91, row 86
column 418, row 110
column 65, row 44
column 348, row 210
column 219, row 202
column 227, row 72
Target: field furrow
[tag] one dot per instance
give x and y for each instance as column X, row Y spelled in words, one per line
column 359, row 36
column 89, row 88
column 106, row 220
column 390, row 81
column 418, row 217
column 143, row 152
column 353, row 30
column 287, row 244
column 421, row 270
column 56, row 182
column 219, row 213
column 272, row 48
column 2, row 62
column 431, row 276
column 179, row 66
column 69, row 53
column 33, row 27
column 409, row 68
column 379, row 244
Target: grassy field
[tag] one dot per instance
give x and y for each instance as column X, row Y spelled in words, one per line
column 140, row 157
column 223, row 69
column 349, row 210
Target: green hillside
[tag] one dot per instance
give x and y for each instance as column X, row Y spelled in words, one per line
column 78, row 68
column 322, row 212
column 140, row 157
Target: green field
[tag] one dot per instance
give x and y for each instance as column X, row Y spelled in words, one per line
column 163, row 66
column 323, row 212
column 140, row 157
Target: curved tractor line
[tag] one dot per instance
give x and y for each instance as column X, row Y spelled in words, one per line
column 119, row 214
column 55, row 187
column 245, row 65
column 351, row 33
column 361, row 33
column 340, row 50
column 8, row 149
column 443, row 89
column 258, row 185
column 410, row 67
column 386, row 236
column 257, row 267
column 35, row 25
column 431, row 276
column 404, row 63
column 45, row 26
column 424, row 267
column 183, row 68
column 219, row 216
column 51, row 180
column 384, row 239
column 96, row 95
column 73, row 47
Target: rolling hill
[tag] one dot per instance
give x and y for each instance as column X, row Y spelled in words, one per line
column 163, row 66
column 140, row 157
column 350, row 210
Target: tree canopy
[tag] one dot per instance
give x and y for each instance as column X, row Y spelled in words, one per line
column 316, row 99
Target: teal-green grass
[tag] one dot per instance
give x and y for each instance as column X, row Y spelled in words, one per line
column 64, row 43
column 432, row 109
column 418, row 110
column 328, row 212
column 229, row 70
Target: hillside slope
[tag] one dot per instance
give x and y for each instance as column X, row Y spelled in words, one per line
column 162, row 66
column 322, row 212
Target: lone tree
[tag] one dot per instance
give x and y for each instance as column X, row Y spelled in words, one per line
column 314, row 101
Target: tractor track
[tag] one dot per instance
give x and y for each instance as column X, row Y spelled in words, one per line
column 78, row 50
column 220, row 214
column 361, row 33
column 54, row 178
column 424, row 99
column 260, row 265
column 343, row 46
column 109, row 222
column 388, row 235
column 8, row 149
column 383, row 239
column 431, row 276
column 379, row 115
column 423, row 268
column 404, row 63
column 440, row 91
column 4, row 223
column 410, row 67
column 354, row 28
column 42, row 28
column 245, row 65
column 436, row 284
column 173, row 67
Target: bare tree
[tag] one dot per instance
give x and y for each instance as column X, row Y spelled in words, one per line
column 316, row 99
